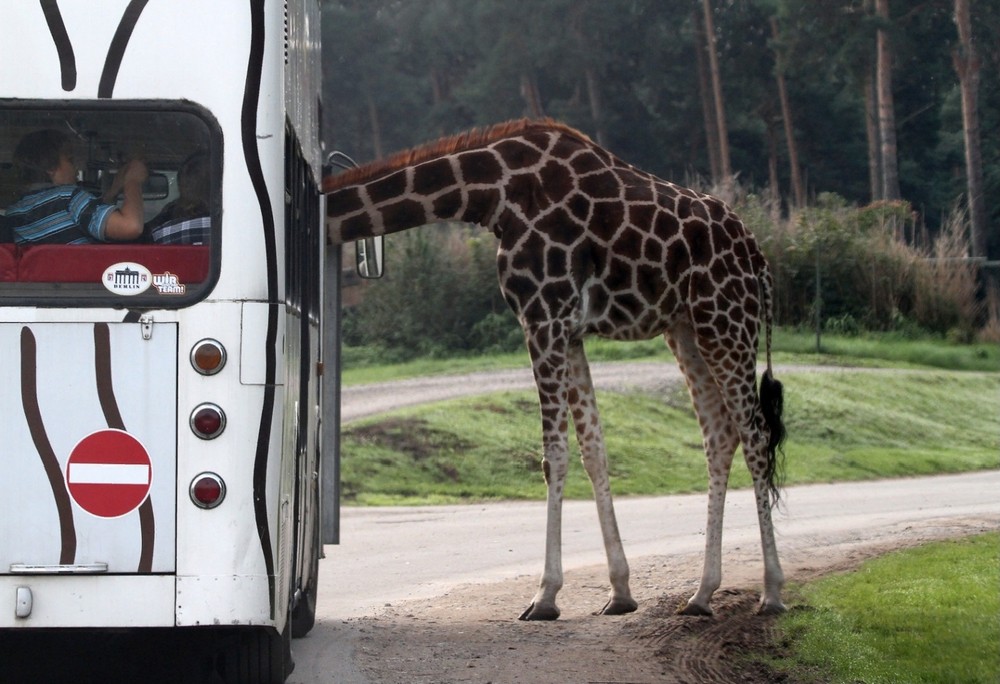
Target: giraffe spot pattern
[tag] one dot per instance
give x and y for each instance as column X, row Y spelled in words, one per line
column 588, row 244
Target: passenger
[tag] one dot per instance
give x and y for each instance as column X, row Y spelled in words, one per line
column 186, row 220
column 53, row 210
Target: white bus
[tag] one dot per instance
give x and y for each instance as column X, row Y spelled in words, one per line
column 161, row 402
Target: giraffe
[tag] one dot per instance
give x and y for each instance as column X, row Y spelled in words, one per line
column 591, row 245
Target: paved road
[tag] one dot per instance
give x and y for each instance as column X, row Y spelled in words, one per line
column 388, row 555
column 359, row 401
column 395, row 554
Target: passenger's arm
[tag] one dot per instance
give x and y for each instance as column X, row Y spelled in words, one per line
column 126, row 223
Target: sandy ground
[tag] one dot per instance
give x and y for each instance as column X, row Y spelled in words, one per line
column 469, row 634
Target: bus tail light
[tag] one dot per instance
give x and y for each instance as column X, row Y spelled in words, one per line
column 207, row 490
column 208, row 356
column 208, row 421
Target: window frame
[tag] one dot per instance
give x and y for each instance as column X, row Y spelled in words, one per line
column 92, row 295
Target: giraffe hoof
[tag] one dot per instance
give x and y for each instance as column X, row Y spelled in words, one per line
column 695, row 610
column 537, row 612
column 618, row 606
column 767, row 608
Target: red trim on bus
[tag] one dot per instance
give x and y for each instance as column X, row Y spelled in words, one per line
column 87, row 263
column 8, row 263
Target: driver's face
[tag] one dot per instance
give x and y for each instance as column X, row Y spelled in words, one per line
column 65, row 172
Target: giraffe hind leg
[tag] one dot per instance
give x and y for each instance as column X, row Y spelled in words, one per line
column 720, row 440
column 734, row 369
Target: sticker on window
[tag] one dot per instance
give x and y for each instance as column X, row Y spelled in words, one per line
column 127, row 278
column 168, row 284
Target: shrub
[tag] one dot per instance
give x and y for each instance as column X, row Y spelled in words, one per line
column 440, row 294
column 869, row 273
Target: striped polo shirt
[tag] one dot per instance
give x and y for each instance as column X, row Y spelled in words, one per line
column 58, row 215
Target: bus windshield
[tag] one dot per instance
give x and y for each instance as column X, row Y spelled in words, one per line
column 71, row 175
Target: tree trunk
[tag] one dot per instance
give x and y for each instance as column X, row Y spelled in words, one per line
column 375, row 126
column 589, row 77
column 967, row 66
column 529, row 91
column 886, row 109
column 437, row 94
column 798, row 189
column 596, row 110
column 725, row 165
column 774, row 185
column 871, row 133
column 707, row 107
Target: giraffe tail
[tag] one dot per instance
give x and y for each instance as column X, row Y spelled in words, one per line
column 772, row 398
column 772, row 403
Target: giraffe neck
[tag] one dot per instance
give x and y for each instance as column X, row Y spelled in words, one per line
column 454, row 187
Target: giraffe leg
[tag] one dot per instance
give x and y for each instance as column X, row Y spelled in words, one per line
column 549, row 365
column 735, row 376
column 720, row 440
column 583, row 405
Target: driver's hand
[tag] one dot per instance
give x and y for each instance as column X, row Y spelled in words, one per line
column 134, row 171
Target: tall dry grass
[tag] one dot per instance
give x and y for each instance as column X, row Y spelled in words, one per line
column 871, row 274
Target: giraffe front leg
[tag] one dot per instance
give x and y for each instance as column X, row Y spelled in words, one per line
column 586, row 419
column 543, row 605
column 548, row 363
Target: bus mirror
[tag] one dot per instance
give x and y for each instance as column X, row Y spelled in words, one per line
column 156, row 187
column 369, row 253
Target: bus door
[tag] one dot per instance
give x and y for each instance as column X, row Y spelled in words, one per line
column 88, row 444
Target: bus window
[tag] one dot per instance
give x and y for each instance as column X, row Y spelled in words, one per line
column 72, row 174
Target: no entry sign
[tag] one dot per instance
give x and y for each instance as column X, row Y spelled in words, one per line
column 108, row 473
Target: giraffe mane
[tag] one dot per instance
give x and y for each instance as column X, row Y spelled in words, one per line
column 476, row 137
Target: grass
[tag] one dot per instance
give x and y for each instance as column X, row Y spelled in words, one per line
column 848, row 425
column 872, row 349
column 926, row 615
column 887, row 349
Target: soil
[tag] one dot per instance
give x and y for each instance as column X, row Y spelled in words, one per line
column 470, row 634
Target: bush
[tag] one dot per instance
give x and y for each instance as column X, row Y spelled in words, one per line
column 440, row 295
column 870, row 274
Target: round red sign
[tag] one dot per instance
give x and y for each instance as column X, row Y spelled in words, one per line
column 109, row 473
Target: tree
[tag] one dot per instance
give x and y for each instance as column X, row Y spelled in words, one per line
column 725, row 163
column 886, row 106
column 798, row 187
column 967, row 66
column 707, row 101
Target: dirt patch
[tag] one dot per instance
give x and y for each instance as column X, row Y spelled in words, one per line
column 411, row 436
column 470, row 634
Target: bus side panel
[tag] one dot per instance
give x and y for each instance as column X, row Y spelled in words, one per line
column 90, row 601
column 222, row 575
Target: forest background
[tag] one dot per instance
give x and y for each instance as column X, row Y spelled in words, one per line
column 850, row 134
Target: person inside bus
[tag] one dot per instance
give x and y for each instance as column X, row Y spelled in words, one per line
column 54, row 210
column 186, row 220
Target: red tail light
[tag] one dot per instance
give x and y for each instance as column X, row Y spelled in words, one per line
column 207, row 490
column 208, row 421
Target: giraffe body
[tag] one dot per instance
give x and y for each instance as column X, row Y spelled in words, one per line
column 591, row 245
